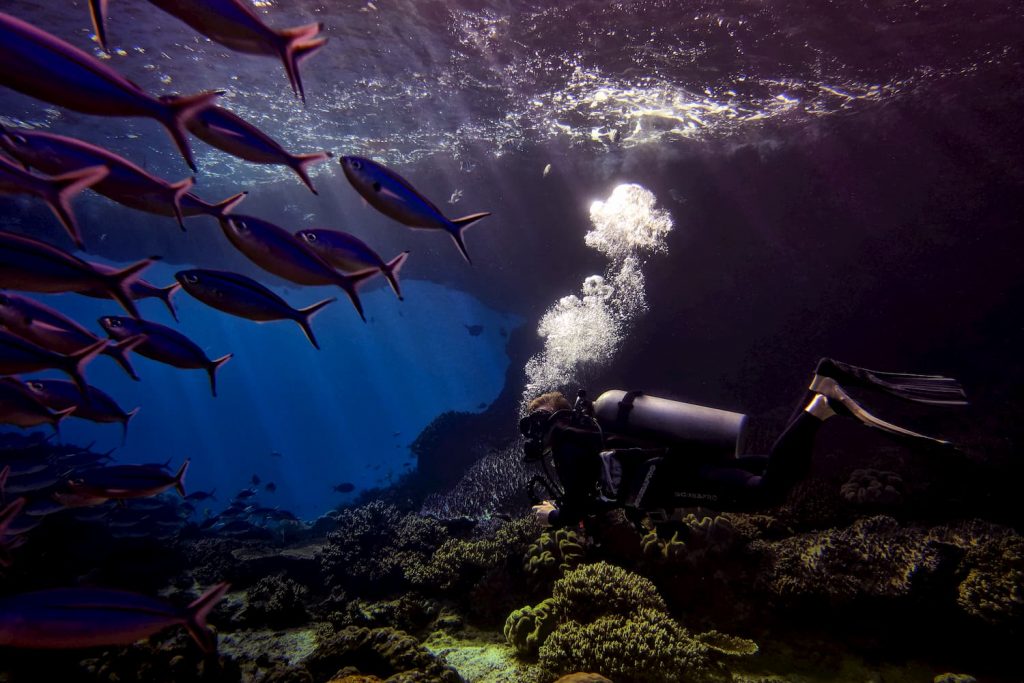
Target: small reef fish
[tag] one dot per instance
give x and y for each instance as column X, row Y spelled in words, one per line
column 474, row 330
column 164, row 345
column 20, row 407
column 56, row 191
column 393, row 196
column 43, row 66
column 255, row 480
column 29, row 265
column 277, row 251
column 126, row 183
column 51, row 329
column 244, row 297
column 245, row 493
column 270, row 487
column 202, row 495
column 19, row 355
column 60, row 395
column 344, row 487
column 139, row 289
column 88, row 617
column 235, row 25
column 230, row 133
column 120, row 482
column 348, row 253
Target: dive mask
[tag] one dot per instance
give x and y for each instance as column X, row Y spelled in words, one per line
column 534, row 427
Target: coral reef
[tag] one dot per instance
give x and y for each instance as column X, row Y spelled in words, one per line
column 993, row 589
column 870, row 487
column 554, row 553
column 647, row 646
column 606, row 619
column 528, row 627
column 380, row 652
column 276, row 601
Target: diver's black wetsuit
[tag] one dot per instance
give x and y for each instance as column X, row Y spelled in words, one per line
column 598, row 476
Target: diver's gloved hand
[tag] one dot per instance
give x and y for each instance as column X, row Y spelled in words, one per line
column 543, row 512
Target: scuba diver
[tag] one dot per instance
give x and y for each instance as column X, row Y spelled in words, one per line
column 654, row 457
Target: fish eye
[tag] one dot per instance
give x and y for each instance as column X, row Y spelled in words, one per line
column 356, row 164
column 242, row 225
column 310, row 237
column 34, row 385
column 114, row 322
column 191, row 278
column 376, row 187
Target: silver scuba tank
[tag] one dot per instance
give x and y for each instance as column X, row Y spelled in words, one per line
column 703, row 431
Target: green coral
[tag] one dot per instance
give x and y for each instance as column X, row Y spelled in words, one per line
column 526, row 628
column 596, row 590
column 459, row 563
column 693, row 539
column 554, row 553
column 645, row 647
column 994, row 587
column 874, row 557
column 380, row 651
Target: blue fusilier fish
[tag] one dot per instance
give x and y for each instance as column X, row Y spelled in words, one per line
column 229, row 132
column 20, row 407
column 244, row 297
column 64, row 618
column 277, row 251
column 28, row 265
column 19, row 355
column 350, row 254
column 43, row 66
column 51, row 329
column 393, row 196
column 120, row 482
column 139, row 289
column 57, row 191
column 235, row 25
column 126, row 183
column 60, row 395
column 164, row 345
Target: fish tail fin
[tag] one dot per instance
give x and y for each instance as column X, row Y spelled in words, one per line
column 98, row 10
column 119, row 352
column 196, row 613
column 299, row 43
column 124, row 423
column 165, row 295
column 77, row 362
column 460, row 225
column 223, row 208
column 63, row 188
column 4, row 474
column 181, row 188
column 179, row 478
column 306, row 314
column 212, row 369
column 178, row 110
column 351, row 283
column 120, row 281
column 390, row 270
column 58, row 416
column 8, row 513
column 300, row 162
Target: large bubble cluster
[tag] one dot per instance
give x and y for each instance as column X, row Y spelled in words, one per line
column 582, row 333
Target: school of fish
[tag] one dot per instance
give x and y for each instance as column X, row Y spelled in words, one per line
column 35, row 337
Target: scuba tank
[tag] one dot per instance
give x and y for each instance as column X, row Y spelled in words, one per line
column 698, row 430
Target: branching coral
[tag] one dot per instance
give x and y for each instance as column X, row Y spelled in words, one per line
column 459, row 562
column 874, row 557
column 595, row 590
column 994, row 588
column 647, row 646
column 276, row 601
column 376, row 549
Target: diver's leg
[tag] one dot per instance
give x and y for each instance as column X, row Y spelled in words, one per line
column 789, row 460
